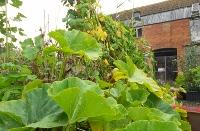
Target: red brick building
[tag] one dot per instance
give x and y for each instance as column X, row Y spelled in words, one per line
column 168, row 27
column 173, row 34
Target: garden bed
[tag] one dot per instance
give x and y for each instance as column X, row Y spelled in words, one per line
column 193, row 109
column 194, row 119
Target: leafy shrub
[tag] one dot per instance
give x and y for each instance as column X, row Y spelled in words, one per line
column 192, row 55
column 12, row 80
column 190, row 79
column 180, row 80
column 8, row 30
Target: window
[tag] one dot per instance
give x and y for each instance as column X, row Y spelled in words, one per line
column 138, row 32
column 137, row 16
column 195, row 10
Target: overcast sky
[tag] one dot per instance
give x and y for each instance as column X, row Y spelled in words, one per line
column 34, row 11
column 110, row 6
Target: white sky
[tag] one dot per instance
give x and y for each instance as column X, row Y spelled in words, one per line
column 110, row 6
column 34, row 11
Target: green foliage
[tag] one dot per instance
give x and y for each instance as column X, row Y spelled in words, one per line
column 2, row 2
column 71, row 2
column 84, row 101
column 137, row 97
column 12, row 79
column 35, row 110
column 16, row 3
column 180, row 80
column 190, row 79
column 8, row 31
column 76, row 42
column 81, row 101
column 121, row 102
column 152, row 126
column 133, row 74
column 123, row 99
column 117, row 39
column 192, row 56
column 30, row 48
column 19, row 17
column 51, row 62
column 151, row 114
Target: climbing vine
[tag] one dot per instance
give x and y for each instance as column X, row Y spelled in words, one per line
column 9, row 32
column 116, row 38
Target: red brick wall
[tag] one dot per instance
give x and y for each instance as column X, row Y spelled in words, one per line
column 174, row 34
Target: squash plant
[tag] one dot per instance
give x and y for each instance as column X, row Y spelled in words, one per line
column 52, row 61
column 116, row 38
column 71, row 101
column 133, row 101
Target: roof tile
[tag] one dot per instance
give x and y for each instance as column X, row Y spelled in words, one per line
column 156, row 8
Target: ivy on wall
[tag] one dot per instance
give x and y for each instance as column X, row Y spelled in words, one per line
column 192, row 56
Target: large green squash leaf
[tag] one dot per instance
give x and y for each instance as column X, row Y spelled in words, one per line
column 144, row 113
column 129, row 71
column 155, row 102
column 32, row 85
column 30, row 48
column 22, row 129
column 8, row 120
column 137, row 96
column 77, row 42
column 59, row 86
column 152, row 126
column 36, row 110
column 129, row 96
column 83, row 100
column 110, row 122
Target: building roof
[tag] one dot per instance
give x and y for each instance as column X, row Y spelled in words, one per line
column 156, row 8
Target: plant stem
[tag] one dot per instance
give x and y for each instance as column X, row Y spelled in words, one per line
column 62, row 70
column 7, row 44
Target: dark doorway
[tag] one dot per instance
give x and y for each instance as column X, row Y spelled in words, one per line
column 166, row 64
